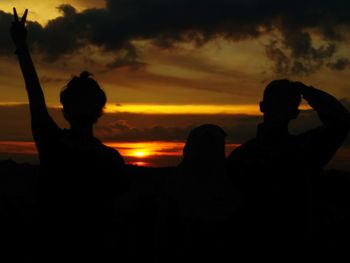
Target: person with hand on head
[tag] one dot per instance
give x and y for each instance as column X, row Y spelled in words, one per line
column 79, row 176
column 274, row 171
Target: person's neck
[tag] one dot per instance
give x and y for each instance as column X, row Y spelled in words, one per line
column 269, row 125
column 273, row 130
column 82, row 130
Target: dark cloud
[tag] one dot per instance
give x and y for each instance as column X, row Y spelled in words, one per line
column 121, row 130
column 300, row 57
column 6, row 45
column 17, row 125
column 301, row 46
column 168, row 22
column 278, row 56
column 48, row 79
column 128, row 57
column 339, row 64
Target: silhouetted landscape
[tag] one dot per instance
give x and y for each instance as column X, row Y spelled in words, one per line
column 19, row 211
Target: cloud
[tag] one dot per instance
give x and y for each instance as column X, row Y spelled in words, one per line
column 47, row 79
column 168, row 22
column 301, row 57
column 121, row 130
column 339, row 64
column 6, row 45
column 127, row 58
column 17, row 126
column 280, row 59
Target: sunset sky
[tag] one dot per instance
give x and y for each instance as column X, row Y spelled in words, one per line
column 170, row 65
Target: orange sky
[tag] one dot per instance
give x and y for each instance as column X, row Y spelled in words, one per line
column 147, row 153
column 220, row 78
column 156, row 153
column 219, row 72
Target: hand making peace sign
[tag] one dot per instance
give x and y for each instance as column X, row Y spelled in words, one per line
column 18, row 29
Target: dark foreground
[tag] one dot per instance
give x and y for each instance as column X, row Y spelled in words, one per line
column 146, row 214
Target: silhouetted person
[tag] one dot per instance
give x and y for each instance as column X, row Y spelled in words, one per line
column 79, row 175
column 201, row 198
column 274, row 169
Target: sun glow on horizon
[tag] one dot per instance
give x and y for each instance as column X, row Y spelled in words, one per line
column 156, row 153
column 167, row 109
column 140, row 154
column 182, row 109
column 140, row 163
column 147, row 149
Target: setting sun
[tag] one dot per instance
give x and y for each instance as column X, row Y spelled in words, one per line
column 140, row 154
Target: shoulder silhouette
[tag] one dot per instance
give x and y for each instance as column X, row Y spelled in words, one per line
column 274, row 170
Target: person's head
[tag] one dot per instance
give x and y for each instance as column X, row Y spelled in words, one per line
column 83, row 100
column 280, row 102
column 205, row 143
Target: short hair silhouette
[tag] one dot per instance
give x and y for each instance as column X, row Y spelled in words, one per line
column 206, row 142
column 282, row 98
column 83, row 99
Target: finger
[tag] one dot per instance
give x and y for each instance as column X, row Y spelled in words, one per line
column 24, row 17
column 15, row 14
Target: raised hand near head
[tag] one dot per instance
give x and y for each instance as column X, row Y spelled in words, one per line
column 301, row 87
column 18, row 29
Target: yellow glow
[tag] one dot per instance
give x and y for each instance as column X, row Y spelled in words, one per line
column 140, row 154
column 154, row 149
column 183, row 109
column 147, row 149
column 248, row 109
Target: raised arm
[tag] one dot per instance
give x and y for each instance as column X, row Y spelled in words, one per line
column 330, row 111
column 37, row 103
column 321, row 144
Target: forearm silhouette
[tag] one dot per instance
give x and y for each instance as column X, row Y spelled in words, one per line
column 330, row 111
column 320, row 144
column 36, row 97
